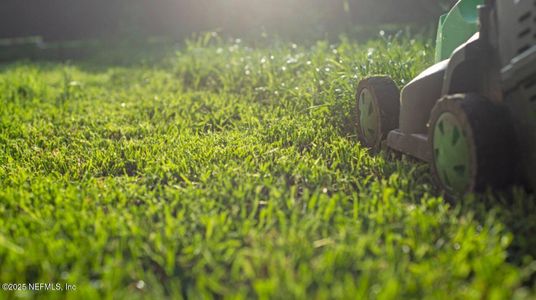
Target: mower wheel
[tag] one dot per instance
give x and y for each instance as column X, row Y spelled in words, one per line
column 472, row 144
column 378, row 109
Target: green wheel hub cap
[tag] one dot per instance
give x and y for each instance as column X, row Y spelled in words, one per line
column 368, row 117
column 452, row 153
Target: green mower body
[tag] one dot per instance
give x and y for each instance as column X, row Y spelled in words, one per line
column 456, row 27
column 472, row 115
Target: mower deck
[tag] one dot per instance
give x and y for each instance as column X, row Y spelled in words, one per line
column 416, row 144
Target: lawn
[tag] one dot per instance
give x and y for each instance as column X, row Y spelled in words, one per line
column 228, row 169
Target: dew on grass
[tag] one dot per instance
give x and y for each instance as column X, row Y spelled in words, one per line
column 140, row 285
column 291, row 60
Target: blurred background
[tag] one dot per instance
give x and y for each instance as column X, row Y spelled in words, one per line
column 71, row 29
column 61, row 20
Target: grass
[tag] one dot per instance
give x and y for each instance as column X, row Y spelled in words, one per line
column 232, row 170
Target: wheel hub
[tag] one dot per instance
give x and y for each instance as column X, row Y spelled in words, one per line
column 368, row 117
column 452, row 153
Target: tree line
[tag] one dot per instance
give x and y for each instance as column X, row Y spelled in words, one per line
column 80, row 19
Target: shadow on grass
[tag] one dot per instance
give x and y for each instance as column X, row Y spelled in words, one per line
column 516, row 210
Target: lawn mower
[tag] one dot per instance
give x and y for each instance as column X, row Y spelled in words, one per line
column 472, row 115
